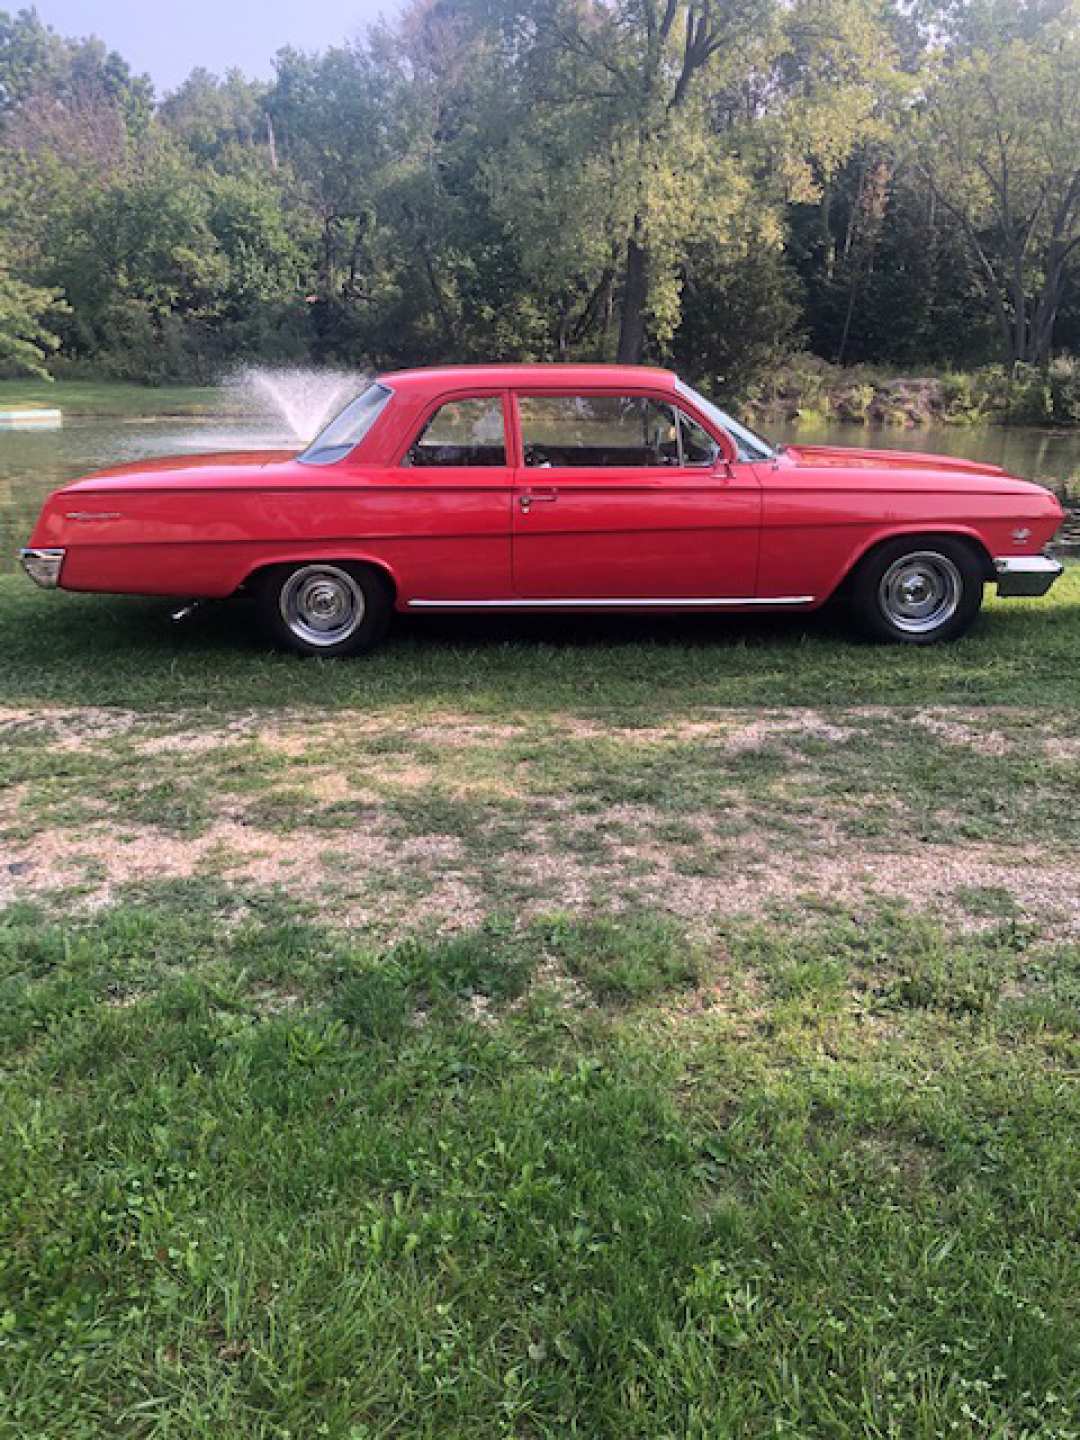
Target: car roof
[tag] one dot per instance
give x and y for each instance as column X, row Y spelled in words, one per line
column 435, row 379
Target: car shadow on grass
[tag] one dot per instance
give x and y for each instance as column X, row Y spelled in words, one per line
column 81, row 649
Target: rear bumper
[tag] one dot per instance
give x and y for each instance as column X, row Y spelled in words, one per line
column 43, row 566
column 1026, row 574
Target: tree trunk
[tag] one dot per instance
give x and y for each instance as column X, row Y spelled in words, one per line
column 1020, row 347
column 1044, row 318
column 1043, row 324
column 828, row 242
column 634, row 300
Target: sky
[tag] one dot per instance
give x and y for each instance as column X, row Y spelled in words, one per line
column 168, row 38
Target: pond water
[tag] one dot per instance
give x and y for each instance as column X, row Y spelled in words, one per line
column 33, row 463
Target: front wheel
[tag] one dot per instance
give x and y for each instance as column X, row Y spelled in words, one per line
column 918, row 592
column 324, row 608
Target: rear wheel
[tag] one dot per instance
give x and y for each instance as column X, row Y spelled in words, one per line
column 917, row 592
column 324, row 608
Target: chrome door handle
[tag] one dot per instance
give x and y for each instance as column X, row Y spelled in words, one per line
column 530, row 498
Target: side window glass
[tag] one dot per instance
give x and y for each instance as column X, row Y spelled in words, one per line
column 698, row 448
column 462, row 432
column 598, row 431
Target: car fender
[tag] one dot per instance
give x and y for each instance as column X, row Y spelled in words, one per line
column 886, row 532
column 306, row 554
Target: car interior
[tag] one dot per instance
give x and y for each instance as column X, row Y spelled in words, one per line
column 579, row 432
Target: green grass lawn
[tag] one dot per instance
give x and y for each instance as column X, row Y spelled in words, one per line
column 261, row 1180
column 582, row 1028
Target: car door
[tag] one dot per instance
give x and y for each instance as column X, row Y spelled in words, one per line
column 451, row 504
column 625, row 497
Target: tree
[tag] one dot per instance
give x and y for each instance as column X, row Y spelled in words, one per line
column 740, row 313
column 624, row 73
column 31, row 54
column 36, row 61
column 668, row 125
column 216, row 118
column 998, row 141
column 25, row 340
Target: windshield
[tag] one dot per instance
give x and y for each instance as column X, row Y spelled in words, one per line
column 749, row 445
column 350, row 427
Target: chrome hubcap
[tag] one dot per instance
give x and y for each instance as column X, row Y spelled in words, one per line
column 920, row 592
column 322, row 605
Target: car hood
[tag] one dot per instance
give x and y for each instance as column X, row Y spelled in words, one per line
column 841, row 457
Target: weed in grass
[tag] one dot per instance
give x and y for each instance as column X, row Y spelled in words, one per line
column 678, row 832
column 992, row 902
column 486, row 962
column 631, row 959
column 434, row 812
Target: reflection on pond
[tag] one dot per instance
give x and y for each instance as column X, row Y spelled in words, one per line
column 33, row 463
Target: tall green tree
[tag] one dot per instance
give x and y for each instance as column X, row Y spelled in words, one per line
column 659, row 126
column 36, row 62
column 223, row 121
column 625, row 79
column 998, row 142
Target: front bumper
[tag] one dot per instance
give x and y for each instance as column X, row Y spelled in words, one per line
column 1026, row 574
column 43, row 566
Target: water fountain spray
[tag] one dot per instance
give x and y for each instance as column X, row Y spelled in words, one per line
column 306, row 399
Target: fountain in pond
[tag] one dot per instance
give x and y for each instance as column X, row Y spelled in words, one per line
column 261, row 408
column 302, row 401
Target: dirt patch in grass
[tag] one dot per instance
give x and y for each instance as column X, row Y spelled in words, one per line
column 351, row 881
column 383, row 823
column 983, row 740
column 199, row 743
column 374, row 879
column 69, row 726
column 330, row 786
column 297, row 734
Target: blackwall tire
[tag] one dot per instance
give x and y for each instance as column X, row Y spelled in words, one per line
column 324, row 607
column 918, row 591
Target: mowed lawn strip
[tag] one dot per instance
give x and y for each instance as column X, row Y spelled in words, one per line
column 111, row 397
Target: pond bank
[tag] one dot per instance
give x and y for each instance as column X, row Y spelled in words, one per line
column 114, row 398
column 811, row 391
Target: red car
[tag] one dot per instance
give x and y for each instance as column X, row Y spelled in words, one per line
column 551, row 487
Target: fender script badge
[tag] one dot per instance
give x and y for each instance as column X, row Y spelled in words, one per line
column 1021, row 535
column 92, row 515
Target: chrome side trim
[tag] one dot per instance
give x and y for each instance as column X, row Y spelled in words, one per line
column 43, row 566
column 642, row 603
column 1026, row 574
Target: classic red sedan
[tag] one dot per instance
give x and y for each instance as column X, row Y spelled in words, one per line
column 551, row 487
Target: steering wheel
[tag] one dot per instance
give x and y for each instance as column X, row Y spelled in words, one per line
column 536, row 458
